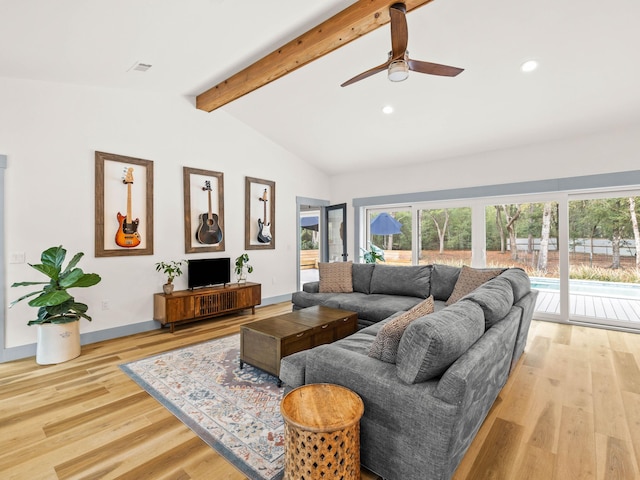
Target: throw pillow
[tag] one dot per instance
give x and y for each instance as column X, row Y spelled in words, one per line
column 470, row 279
column 335, row 277
column 385, row 345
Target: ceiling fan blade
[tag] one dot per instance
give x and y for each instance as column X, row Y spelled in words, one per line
column 433, row 68
column 368, row 73
column 399, row 30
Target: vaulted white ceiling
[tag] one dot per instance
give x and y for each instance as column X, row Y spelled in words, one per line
column 587, row 80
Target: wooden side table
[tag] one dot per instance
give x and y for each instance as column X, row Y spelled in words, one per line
column 322, row 432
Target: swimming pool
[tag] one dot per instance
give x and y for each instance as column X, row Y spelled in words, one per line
column 590, row 287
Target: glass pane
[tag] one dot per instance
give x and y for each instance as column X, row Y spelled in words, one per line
column 390, row 232
column 603, row 272
column 525, row 235
column 445, row 236
column 310, row 235
column 335, row 234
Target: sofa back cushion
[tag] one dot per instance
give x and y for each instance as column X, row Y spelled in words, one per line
column 431, row 344
column 520, row 282
column 495, row 298
column 335, row 277
column 443, row 279
column 470, row 279
column 385, row 345
column 362, row 273
column 411, row 281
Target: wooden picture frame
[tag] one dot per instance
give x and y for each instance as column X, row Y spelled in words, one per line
column 203, row 192
column 123, row 206
column 258, row 193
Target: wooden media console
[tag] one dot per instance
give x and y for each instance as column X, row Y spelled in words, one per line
column 199, row 304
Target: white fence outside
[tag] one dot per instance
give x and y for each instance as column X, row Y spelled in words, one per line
column 597, row 246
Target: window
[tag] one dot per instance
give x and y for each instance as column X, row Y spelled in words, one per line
column 603, row 263
column 523, row 235
column 445, row 236
column 391, row 231
column 580, row 249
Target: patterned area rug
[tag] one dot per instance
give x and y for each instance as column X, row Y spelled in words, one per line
column 237, row 412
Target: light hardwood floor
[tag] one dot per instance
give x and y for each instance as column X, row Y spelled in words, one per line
column 570, row 410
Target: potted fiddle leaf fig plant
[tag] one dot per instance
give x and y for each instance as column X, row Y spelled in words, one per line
column 172, row 270
column 373, row 255
column 58, row 312
column 242, row 268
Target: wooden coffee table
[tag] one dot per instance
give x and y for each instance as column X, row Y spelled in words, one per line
column 263, row 343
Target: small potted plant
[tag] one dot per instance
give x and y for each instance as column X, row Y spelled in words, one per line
column 243, row 267
column 373, row 254
column 172, row 270
column 58, row 312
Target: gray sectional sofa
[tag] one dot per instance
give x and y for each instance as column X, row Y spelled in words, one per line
column 422, row 412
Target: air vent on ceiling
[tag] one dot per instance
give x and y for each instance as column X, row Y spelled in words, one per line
column 140, row 67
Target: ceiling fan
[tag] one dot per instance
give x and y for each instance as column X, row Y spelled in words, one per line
column 399, row 63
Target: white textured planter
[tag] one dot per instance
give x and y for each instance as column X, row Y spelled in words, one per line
column 58, row 342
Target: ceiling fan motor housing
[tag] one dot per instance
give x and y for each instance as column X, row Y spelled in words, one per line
column 398, row 71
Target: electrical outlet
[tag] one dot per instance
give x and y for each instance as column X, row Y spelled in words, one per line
column 17, row 257
column 105, row 304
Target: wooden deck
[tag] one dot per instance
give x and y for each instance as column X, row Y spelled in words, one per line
column 605, row 308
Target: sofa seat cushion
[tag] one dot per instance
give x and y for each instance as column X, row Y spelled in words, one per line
column 375, row 307
column 432, row 343
column 374, row 328
column 336, row 277
column 306, row 299
column 495, row 298
column 470, row 279
column 385, row 345
column 411, row 281
column 358, row 342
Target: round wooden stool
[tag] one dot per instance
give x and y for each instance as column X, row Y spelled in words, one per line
column 322, row 432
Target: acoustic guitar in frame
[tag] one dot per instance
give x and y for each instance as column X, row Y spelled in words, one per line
column 127, row 235
column 209, row 231
column 264, row 232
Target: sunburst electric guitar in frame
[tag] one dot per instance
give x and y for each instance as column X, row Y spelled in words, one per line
column 264, row 227
column 209, row 231
column 127, row 235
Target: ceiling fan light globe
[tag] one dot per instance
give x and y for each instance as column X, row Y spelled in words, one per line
column 398, row 71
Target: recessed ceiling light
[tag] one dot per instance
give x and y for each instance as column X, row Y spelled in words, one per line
column 529, row 66
column 387, row 109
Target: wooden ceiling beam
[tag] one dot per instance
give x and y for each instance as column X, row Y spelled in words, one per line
column 353, row 22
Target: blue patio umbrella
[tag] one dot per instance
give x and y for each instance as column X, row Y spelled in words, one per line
column 310, row 223
column 385, row 224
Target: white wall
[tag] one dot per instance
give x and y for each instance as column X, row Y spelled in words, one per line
column 50, row 132
column 617, row 150
column 613, row 151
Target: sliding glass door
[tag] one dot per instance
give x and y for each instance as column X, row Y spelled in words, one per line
column 603, row 259
column 580, row 250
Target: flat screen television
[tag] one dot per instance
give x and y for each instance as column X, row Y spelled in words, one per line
column 206, row 272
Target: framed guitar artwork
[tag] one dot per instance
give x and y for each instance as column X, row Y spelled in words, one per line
column 204, row 229
column 124, row 205
column 260, row 214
